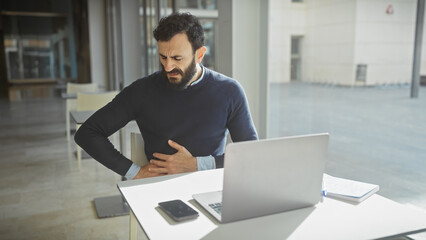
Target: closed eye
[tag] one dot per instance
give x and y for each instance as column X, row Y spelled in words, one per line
column 176, row 58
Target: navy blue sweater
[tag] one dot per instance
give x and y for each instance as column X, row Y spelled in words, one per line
column 197, row 118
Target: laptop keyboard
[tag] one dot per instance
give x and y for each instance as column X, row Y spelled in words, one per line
column 217, row 207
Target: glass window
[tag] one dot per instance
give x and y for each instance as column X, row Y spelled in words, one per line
column 209, row 33
column 197, row 4
column 36, row 46
column 295, row 45
column 296, row 60
column 150, row 12
column 205, row 10
column 356, row 87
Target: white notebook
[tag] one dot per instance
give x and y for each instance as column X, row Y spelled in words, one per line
column 348, row 189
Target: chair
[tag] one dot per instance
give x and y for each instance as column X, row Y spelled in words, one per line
column 92, row 102
column 74, row 88
column 137, row 149
column 138, row 156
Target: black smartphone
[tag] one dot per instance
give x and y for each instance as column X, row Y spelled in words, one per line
column 178, row 210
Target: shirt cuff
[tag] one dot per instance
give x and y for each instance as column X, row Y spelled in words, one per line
column 132, row 172
column 206, row 163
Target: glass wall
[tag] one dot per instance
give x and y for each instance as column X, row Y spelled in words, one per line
column 354, row 71
column 206, row 11
column 37, row 46
column 196, row 4
column 151, row 11
column 41, row 42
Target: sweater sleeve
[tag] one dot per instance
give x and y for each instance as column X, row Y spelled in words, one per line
column 239, row 122
column 93, row 135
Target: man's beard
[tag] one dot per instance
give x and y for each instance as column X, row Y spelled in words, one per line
column 187, row 75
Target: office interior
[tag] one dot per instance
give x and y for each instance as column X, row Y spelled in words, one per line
column 307, row 66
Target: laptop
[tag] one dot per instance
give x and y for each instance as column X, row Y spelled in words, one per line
column 268, row 176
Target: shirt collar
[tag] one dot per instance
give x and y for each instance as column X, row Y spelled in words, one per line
column 199, row 79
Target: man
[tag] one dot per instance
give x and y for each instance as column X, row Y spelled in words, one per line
column 183, row 112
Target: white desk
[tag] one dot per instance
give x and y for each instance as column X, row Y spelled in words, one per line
column 376, row 217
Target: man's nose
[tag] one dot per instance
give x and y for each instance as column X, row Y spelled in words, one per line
column 169, row 65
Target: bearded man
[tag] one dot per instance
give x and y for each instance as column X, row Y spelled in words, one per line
column 184, row 112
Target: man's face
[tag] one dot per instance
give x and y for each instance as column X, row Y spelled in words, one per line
column 177, row 60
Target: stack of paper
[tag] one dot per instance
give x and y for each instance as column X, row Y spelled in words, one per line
column 348, row 189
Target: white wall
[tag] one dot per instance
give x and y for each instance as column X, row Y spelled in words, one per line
column 98, row 44
column 385, row 42
column 328, row 45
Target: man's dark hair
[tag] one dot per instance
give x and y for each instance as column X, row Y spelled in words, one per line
column 180, row 23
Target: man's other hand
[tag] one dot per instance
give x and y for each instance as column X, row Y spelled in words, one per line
column 181, row 161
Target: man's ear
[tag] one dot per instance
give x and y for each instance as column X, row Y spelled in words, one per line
column 200, row 53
